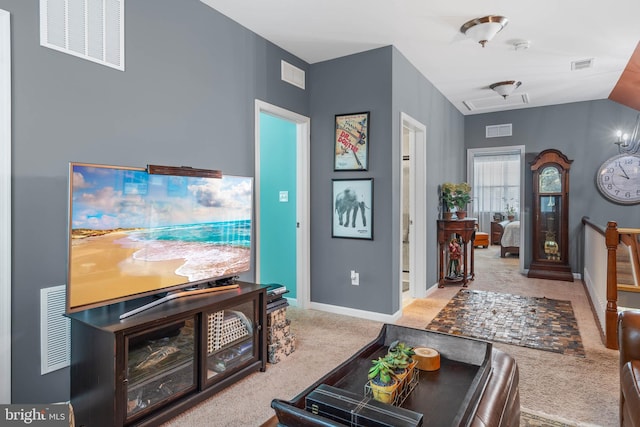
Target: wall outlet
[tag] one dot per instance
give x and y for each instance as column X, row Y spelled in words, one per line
column 355, row 278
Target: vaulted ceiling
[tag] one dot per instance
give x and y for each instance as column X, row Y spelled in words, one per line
column 602, row 34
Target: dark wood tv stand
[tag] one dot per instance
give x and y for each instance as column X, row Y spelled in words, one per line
column 147, row 368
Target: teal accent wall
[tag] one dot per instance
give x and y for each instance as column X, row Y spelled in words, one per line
column 278, row 219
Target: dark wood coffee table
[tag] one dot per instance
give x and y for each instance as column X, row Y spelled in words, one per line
column 447, row 397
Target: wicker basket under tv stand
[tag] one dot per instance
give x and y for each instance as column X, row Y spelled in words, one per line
column 152, row 366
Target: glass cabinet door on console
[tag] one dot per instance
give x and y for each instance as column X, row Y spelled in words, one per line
column 160, row 366
column 230, row 341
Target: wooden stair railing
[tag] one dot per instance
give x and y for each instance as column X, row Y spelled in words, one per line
column 628, row 281
column 613, row 237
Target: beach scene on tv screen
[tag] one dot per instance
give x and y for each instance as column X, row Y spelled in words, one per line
column 133, row 233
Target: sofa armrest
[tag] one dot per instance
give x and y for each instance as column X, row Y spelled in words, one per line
column 500, row 403
column 630, row 394
column 629, row 336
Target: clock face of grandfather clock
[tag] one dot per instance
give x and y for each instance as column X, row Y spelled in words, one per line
column 550, row 237
column 618, row 179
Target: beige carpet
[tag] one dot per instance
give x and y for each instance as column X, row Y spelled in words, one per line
column 537, row 419
column 584, row 390
column 577, row 391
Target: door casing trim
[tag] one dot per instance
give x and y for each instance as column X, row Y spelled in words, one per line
column 303, row 138
column 418, row 207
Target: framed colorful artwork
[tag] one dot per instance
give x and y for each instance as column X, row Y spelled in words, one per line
column 351, row 149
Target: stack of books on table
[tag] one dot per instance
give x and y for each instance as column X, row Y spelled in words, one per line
column 275, row 297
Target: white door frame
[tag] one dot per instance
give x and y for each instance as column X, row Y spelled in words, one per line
column 417, row 206
column 303, row 138
column 5, row 207
column 509, row 149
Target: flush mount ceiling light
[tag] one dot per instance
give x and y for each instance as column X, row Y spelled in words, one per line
column 484, row 29
column 505, row 88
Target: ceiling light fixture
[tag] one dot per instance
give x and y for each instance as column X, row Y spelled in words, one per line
column 505, row 88
column 484, row 29
column 626, row 144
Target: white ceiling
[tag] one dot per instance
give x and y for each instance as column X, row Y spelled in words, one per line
column 427, row 33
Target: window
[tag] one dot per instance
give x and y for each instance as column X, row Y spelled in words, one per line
column 496, row 183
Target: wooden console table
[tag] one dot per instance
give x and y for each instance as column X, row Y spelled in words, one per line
column 154, row 365
column 465, row 230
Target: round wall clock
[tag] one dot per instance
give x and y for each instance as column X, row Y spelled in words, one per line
column 618, row 179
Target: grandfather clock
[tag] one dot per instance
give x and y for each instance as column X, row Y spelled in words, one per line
column 550, row 238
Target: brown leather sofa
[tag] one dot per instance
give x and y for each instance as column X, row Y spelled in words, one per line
column 629, row 345
column 499, row 405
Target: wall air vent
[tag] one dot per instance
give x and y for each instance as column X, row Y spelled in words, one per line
column 55, row 330
column 88, row 29
column 582, row 64
column 497, row 131
column 292, row 74
column 496, row 102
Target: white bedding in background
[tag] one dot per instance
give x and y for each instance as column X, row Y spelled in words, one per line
column 511, row 235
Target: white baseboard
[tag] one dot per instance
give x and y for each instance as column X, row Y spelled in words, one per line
column 363, row 314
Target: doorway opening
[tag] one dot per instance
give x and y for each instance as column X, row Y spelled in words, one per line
column 413, row 207
column 496, row 175
column 282, row 203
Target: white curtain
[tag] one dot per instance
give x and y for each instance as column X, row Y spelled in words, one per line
column 496, row 183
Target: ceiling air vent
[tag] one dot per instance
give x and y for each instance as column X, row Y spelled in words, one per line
column 582, row 64
column 292, row 74
column 497, row 131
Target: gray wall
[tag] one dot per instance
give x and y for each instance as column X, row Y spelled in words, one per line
column 584, row 132
column 352, row 84
column 383, row 82
column 186, row 98
column 417, row 97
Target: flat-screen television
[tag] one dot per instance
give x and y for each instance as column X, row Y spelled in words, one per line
column 133, row 233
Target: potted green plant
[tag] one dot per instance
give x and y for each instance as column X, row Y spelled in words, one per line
column 448, row 199
column 402, row 355
column 399, row 365
column 462, row 197
column 510, row 210
column 382, row 380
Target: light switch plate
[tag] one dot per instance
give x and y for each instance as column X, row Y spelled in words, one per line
column 284, row 196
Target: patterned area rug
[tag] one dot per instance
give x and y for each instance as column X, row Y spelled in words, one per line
column 539, row 323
